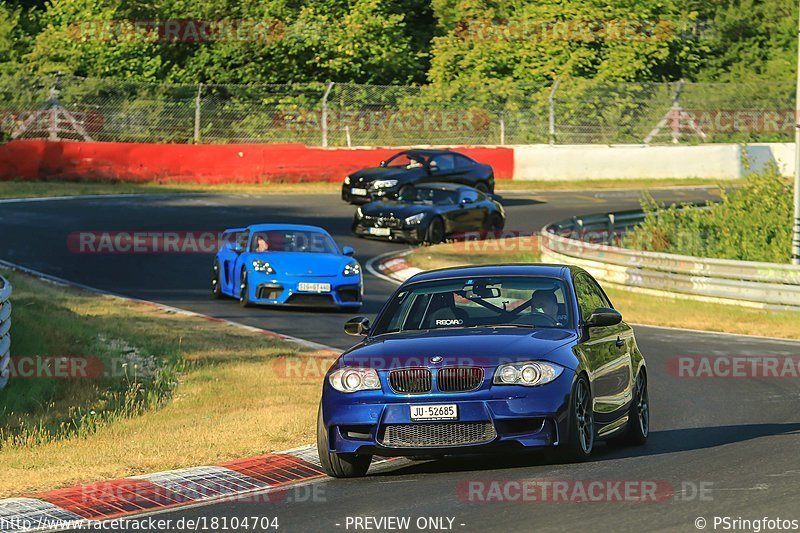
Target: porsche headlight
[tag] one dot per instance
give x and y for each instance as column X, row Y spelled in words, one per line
column 352, row 269
column 415, row 219
column 263, row 266
column 359, row 213
column 528, row 373
column 347, row 180
column 384, row 184
column 354, row 379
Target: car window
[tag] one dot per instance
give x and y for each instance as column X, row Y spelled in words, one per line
column 444, row 161
column 502, row 301
column 428, row 196
column 472, row 196
column 407, row 160
column 462, row 161
column 590, row 295
column 293, row 241
column 242, row 238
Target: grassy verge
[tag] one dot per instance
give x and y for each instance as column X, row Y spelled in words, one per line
column 636, row 308
column 38, row 189
column 213, row 392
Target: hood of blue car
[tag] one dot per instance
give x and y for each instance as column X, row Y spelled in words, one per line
column 466, row 347
column 303, row 264
column 395, row 209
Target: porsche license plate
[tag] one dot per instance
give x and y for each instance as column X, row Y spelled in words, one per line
column 358, row 192
column 434, row 412
column 383, row 232
column 314, row 287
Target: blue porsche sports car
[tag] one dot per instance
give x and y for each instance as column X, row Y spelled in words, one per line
column 285, row 264
column 487, row 358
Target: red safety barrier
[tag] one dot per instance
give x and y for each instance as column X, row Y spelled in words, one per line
column 205, row 163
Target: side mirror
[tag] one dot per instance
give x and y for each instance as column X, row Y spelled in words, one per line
column 382, row 164
column 465, row 201
column 433, row 167
column 235, row 247
column 357, row 326
column 604, row 316
column 347, row 250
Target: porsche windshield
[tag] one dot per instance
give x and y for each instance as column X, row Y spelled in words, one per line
column 424, row 195
column 293, row 241
column 503, row 301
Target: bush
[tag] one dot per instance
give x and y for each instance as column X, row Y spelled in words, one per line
column 751, row 223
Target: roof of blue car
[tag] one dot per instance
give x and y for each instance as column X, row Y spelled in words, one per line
column 532, row 269
column 280, row 227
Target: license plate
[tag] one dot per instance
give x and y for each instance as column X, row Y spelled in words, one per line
column 434, row 412
column 383, row 232
column 314, row 287
column 358, row 192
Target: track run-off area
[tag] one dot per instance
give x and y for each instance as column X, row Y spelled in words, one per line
column 717, row 448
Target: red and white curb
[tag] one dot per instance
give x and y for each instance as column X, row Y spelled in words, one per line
column 392, row 267
column 261, row 479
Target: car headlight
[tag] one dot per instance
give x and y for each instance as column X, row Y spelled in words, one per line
column 352, row 269
column 263, row 266
column 354, row 379
column 528, row 373
column 415, row 219
column 347, row 180
column 384, row 184
column 359, row 213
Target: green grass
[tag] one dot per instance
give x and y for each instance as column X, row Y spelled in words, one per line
column 218, row 392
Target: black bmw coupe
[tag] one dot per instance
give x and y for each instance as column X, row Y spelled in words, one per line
column 412, row 167
column 429, row 213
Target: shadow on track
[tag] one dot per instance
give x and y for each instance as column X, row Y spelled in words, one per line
column 659, row 442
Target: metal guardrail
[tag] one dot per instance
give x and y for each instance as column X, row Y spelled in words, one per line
column 590, row 241
column 5, row 327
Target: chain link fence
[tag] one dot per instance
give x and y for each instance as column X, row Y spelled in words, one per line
column 333, row 114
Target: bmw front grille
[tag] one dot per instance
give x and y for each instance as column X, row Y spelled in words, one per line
column 437, row 435
column 410, row 380
column 459, row 378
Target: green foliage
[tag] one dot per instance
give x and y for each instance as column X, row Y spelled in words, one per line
column 751, row 223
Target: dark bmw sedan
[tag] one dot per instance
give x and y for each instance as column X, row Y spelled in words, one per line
column 411, row 167
column 429, row 213
column 485, row 359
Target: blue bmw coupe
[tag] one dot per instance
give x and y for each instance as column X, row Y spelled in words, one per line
column 286, row 264
column 482, row 359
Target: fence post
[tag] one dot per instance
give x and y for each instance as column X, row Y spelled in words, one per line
column 324, row 120
column 197, row 114
column 502, row 128
column 551, row 101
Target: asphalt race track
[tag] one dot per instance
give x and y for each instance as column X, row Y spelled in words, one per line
column 718, row 447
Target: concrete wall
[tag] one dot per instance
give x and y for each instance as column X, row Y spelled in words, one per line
column 580, row 162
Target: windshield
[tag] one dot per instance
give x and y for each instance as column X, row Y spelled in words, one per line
column 407, row 160
column 503, row 301
column 429, row 196
column 293, row 241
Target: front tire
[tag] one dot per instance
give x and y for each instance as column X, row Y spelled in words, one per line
column 581, row 435
column 435, row 232
column 244, row 290
column 639, row 415
column 494, row 223
column 338, row 464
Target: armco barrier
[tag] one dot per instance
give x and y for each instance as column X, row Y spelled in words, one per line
column 205, row 163
column 744, row 283
column 5, row 326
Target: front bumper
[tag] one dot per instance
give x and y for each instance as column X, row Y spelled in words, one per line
column 268, row 289
column 410, row 234
column 519, row 418
column 372, row 193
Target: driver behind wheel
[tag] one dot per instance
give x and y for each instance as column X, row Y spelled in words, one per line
column 545, row 302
